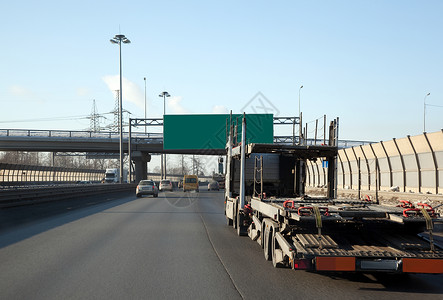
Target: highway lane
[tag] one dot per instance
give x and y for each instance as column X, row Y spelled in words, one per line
column 173, row 246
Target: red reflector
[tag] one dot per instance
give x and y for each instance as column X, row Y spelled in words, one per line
column 421, row 265
column 301, row 264
column 335, row 263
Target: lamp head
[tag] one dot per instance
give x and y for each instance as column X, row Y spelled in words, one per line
column 118, row 38
column 164, row 94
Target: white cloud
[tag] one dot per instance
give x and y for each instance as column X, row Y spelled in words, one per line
column 219, row 109
column 81, row 91
column 24, row 94
column 174, row 105
column 131, row 91
column 19, row 91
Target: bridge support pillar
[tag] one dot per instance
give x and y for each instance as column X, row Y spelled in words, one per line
column 140, row 160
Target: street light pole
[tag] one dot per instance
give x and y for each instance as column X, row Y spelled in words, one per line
column 145, row 105
column 164, row 95
column 299, row 100
column 299, row 117
column 424, row 112
column 119, row 39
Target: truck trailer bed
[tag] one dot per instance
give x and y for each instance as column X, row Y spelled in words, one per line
column 344, row 235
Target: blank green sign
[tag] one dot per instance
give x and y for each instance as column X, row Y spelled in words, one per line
column 209, row 131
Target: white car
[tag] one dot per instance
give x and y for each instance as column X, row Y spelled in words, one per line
column 165, row 185
column 146, row 187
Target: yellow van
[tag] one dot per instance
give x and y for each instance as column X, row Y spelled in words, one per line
column 190, row 183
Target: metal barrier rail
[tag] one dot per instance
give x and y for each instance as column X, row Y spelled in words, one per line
column 141, row 137
column 75, row 134
column 28, row 196
column 12, row 174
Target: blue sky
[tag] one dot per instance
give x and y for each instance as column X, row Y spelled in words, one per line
column 370, row 63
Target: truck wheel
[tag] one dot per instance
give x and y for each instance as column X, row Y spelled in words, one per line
column 240, row 227
column 267, row 244
column 234, row 218
column 275, row 249
column 262, row 234
column 234, row 222
column 138, row 195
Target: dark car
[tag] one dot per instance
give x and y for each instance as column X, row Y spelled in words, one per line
column 213, row 186
column 146, row 187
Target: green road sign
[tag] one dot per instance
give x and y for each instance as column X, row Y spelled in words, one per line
column 200, row 132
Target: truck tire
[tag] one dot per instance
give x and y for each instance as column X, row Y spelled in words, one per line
column 234, row 219
column 267, row 244
column 234, row 222
column 275, row 248
column 241, row 231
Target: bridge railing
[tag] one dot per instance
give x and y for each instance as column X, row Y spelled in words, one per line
column 291, row 140
column 76, row 134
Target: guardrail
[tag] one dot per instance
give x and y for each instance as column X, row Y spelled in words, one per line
column 28, row 196
column 19, row 174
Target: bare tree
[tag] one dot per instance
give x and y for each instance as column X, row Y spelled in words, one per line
column 20, row 157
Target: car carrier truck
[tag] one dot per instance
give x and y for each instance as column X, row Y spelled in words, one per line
column 265, row 199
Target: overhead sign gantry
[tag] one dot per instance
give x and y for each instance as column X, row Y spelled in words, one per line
column 209, row 131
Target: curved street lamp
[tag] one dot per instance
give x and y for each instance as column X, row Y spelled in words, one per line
column 164, row 95
column 144, row 78
column 424, row 112
column 119, row 39
column 299, row 117
column 299, row 100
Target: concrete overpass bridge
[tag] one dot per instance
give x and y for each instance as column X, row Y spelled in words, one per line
column 87, row 141
column 94, row 144
column 140, row 147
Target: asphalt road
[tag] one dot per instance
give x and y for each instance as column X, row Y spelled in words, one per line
column 174, row 246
